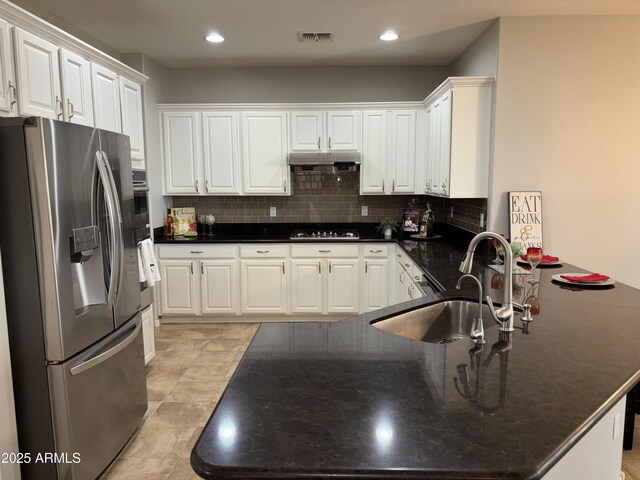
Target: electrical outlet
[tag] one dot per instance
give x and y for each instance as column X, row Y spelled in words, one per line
column 365, row 210
column 272, row 211
column 482, row 219
column 451, row 212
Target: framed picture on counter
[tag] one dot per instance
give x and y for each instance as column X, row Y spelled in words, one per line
column 525, row 218
column 410, row 220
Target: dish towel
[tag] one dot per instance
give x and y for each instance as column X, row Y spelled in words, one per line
column 149, row 262
column 141, row 276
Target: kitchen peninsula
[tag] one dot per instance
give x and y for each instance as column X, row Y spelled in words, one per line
column 345, row 399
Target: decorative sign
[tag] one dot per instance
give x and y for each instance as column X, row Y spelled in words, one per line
column 525, row 218
column 184, row 221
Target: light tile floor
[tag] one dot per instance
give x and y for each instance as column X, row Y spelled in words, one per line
column 185, row 380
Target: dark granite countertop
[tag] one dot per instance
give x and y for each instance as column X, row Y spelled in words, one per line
column 345, row 399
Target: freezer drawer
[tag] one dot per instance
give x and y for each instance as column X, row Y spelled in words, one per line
column 98, row 400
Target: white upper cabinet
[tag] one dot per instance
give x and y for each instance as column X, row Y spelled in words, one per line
column 264, row 152
column 318, row 131
column 307, row 131
column 132, row 122
column 221, row 153
column 344, row 130
column 38, row 73
column 388, row 152
column 374, row 152
column 76, row 84
column 106, row 99
column 8, row 94
column 458, row 125
column 402, row 150
column 182, row 152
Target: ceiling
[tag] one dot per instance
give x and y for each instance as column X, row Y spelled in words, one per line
column 264, row 32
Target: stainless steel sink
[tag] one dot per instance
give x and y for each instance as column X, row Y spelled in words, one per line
column 443, row 322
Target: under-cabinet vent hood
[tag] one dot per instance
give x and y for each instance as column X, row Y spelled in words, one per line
column 332, row 162
column 330, row 158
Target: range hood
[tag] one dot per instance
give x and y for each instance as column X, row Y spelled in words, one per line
column 323, row 159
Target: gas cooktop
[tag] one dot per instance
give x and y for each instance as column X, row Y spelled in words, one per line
column 324, row 235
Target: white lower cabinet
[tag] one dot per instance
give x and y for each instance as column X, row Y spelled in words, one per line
column 376, row 283
column 218, row 286
column 343, row 286
column 198, row 280
column 299, row 279
column 148, row 334
column 263, row 286
column 306, row 286
column 178, row 287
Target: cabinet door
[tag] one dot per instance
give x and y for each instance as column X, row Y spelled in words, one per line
column 264, row 152
column 402, row 150
column 221, row 153
column 374, row 152
column 148, row 334
column 38, row 75
column 76, row 84
column 182, row 155
column 178, row 287
column 263, row 286
column 219, row 286
column 307, row 131
column 7, row 79
column 306, row 286
column 344, row 131
column 132, row 121
column 434, row 150
column 428, row 154
column 445, row 143
column 343, row 286
column 106, row 99
column 376, row 284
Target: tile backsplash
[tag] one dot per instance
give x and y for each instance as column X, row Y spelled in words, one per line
column 319, row 197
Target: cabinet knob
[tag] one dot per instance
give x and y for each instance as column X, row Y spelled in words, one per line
column 375, row 251
column 329, row 143
column 319, row 143
column 262, row 251
column 195, row 251
column 324, row 251
column 366, row 267
column 197, row 189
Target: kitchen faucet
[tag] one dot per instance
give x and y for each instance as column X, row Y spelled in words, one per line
column 503, row 315
column 477, row 328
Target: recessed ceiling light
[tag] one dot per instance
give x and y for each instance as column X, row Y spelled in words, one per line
column 215, row 38
column 389, row 35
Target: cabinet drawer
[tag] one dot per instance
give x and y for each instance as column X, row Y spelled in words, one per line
column 196, row 251
column 263, row 251
column 376, row 250
column 319, row 251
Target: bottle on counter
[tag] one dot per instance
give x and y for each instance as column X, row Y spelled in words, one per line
column 168, row 226
column 426, row 225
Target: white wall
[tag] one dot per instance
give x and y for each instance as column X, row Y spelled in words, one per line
column 568, row 123
column 303, row 84
column 481, row 57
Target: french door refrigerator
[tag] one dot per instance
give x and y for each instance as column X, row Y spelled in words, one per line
column 69, row 258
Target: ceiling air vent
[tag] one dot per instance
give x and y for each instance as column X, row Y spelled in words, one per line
column 315, row 37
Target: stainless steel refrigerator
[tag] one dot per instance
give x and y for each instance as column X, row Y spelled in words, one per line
column 69, row 258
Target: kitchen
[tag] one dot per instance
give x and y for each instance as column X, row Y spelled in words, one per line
column 563, row 101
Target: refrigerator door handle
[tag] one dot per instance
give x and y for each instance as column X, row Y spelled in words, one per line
column 120, row 236
column 111, row 207
column 102, row 355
